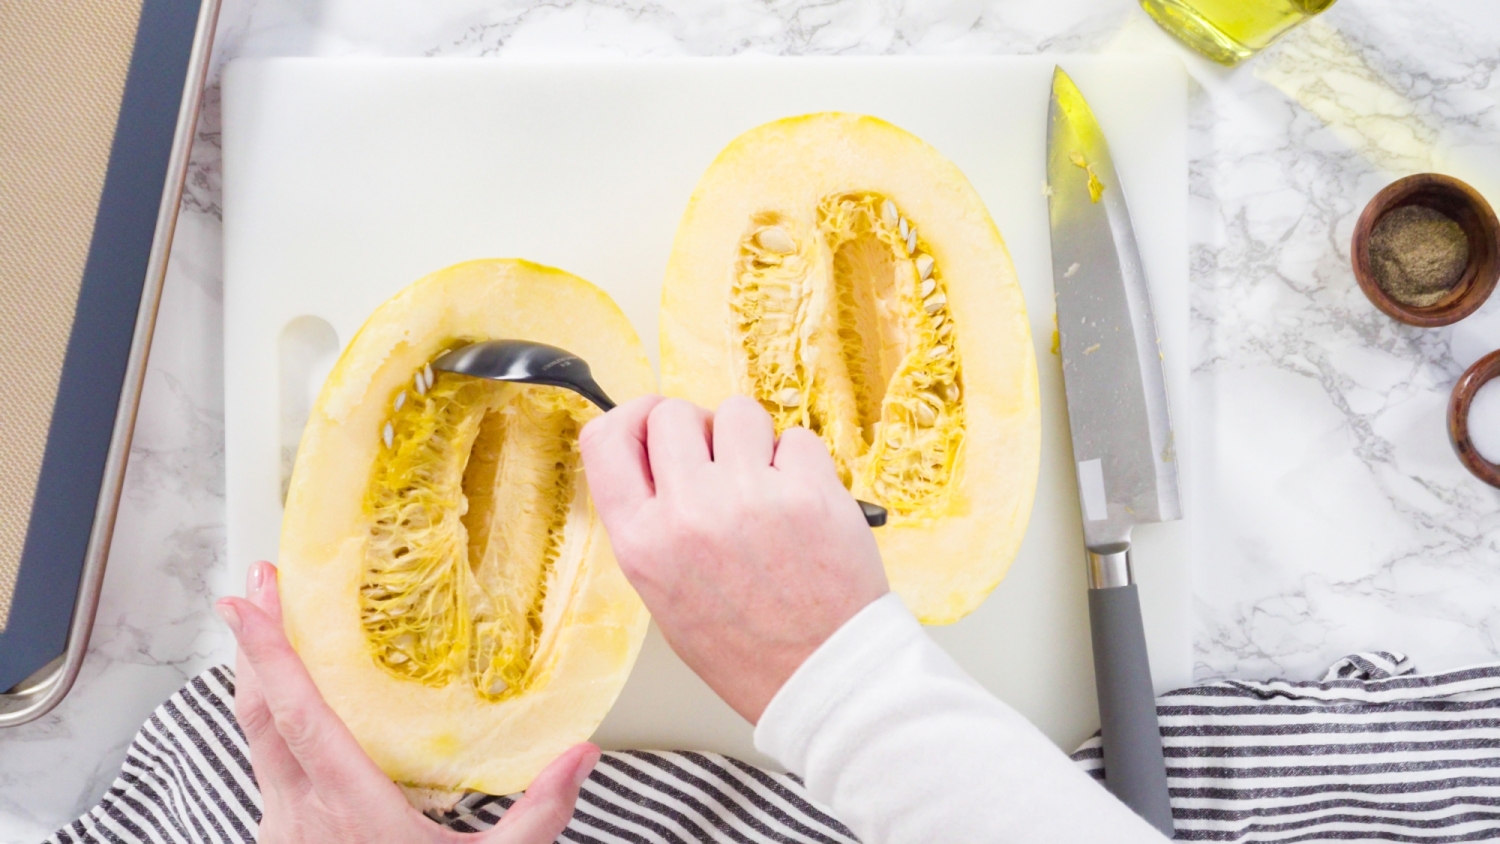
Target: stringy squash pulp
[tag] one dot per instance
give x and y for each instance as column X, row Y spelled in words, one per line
column 443, row 573
column 847, row 276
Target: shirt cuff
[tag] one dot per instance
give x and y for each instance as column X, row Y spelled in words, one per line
column 834, row 672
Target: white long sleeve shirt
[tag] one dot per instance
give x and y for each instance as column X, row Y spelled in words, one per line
column 904, row 746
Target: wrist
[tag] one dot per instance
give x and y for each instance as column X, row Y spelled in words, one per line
column 846, row 662
column 779, row 667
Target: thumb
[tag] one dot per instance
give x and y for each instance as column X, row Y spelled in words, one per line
column 547, row 806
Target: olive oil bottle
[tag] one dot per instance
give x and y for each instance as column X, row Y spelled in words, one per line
column 1230, row 31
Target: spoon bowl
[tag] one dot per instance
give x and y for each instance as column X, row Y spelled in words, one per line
column 526, row 362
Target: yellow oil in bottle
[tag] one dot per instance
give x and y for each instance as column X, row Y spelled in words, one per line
column 1230, row 31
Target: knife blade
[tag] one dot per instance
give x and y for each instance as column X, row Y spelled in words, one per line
column 1123, row 446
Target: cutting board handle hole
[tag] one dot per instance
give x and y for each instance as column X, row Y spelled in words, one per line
column 307, row 351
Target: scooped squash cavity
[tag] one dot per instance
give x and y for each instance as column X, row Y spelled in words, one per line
column 846, row 275
column 443, row 573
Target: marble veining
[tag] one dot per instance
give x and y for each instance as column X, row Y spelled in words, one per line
column 1330, row 508
column 1330, row 515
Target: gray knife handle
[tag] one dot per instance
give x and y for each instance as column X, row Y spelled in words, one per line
column 1134, row 769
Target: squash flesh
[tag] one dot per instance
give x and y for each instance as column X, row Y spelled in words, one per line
column 862, row 355
column 524, row 479
column 522, row 628
column 868, row 297
column 468, row 507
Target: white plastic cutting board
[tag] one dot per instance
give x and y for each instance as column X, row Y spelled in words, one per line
column 345, row 180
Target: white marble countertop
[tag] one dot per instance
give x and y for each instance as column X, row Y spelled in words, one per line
column 1330, row 513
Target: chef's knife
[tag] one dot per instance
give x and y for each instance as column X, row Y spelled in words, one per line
column 1122, row 432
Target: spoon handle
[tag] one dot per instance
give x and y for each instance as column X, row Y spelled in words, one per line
column 588, row 388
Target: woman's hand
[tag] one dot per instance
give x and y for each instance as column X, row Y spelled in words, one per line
column 747, row 549
column 316, row 782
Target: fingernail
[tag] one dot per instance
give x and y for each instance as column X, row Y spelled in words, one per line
column 585, row 767
column 255, row 579
column 230, row 615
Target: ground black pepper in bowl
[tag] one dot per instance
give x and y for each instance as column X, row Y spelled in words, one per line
column 1426, row 250
column 1418, row 254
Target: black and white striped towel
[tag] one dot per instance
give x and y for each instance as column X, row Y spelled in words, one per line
column 1373, row 752
column 187, row 779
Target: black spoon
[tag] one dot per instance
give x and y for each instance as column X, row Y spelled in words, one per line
column 526, row 362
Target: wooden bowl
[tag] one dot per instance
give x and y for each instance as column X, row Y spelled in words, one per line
column 1465, row 206
column 1485, row 369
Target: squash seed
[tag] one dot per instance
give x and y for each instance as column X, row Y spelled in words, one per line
column 925, row 264
column 925, row 415
column 934, row 302
column 775, row 239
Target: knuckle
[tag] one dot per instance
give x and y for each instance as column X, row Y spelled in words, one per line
column 667, row 407
column 803, row 502
column 742, row 404
column 695, row 524
column 676, row 413
column 254, row 719
column 298, row 729
column 558, row 813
